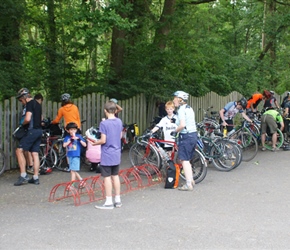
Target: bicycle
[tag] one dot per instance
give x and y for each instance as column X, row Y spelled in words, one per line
column 2, row 162
column 129, row 133
column 225, row 154
column 147, row 150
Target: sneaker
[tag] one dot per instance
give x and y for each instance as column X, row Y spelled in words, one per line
column 82, row 184
column 66, row 169
column 263, row 149
column 118, row 204
column 30, row 170
column 21, row 180
column 32, row 181
column 275, row 149
column 111, row 206
column 70, row 187
column 185, row 188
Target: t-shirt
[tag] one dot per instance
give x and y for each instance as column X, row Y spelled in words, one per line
column 168, row 127
column 255, row 100
column 70, row 113
column 74, row 148
column 231, row 110
column 270, row 103
column 111, row 150
column 277, row 116
column 186, row 113
column 35, row 108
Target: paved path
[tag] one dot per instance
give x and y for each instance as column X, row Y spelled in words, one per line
column 247, row 208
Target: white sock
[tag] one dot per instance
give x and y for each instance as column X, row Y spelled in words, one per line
column 117, row 198
column 109, row 200
column 23, row 174
column 188, row 183
column 35, row 177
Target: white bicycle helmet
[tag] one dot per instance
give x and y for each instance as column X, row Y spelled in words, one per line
column 22, row 92
column 181, row 94
column 65, row 97
column 93, row 133
column 114, row 100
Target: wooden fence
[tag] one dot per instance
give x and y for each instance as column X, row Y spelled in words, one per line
column 137, row 109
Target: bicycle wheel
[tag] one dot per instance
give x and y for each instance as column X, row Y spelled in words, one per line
column 228, row 155
column 141, row 153
column 47, row 159
column 199, row 167
column 280, row 140
column 2, row 162
column 249, row 146
column 61, row 155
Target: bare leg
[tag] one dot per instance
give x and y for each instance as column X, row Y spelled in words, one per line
column 36, row 163
column 21, row 160
column 108, row 186
column 188, row 172
column 263, row 138
column 116, row 183
column 274, row 140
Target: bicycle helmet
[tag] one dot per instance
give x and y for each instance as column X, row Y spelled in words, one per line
column 22, row 92
column 93, row 133
column 243, row 102
column 181, row 94
column 272, row 92
column 71, row 125
column 65, row 97
column 114, row 100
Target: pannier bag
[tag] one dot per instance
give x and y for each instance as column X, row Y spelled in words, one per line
column 172, row 175
column 20, row 132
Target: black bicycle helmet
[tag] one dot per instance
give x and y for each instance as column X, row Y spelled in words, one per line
column 71, row 125
column 243, row 102
column 22, row 92
column 65, row 97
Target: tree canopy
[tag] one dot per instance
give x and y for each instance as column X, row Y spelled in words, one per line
column 121, row 48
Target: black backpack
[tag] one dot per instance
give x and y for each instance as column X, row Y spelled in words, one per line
column 172, row 175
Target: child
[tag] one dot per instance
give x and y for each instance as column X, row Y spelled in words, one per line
column 168, row 124
column 73, row 143
column 111, row 131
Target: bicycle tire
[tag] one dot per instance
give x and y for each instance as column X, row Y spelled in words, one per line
column 280, row 140
column 199, row 167
column 2, row 162
column 229, row 159
column 249, row 146
column 48, row 160
column 61, row 155
column 140, row 154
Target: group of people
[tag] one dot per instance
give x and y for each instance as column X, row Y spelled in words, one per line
column 269, row 119
column 179, row 119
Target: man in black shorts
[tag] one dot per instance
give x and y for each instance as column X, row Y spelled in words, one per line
column 31, row 141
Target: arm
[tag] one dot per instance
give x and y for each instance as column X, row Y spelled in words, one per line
column 27, row 118
column 181, row 126
column 119, row 108
column 246, row 117
column 58, row 117
column 276, row 104
column 221, row 112
column 101, row 141
column 285, row 113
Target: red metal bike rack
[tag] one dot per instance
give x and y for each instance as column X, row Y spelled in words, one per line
column 93, row 186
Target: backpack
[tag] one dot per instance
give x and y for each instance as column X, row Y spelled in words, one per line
column 172, row 175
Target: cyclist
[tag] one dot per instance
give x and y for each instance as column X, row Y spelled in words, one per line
column 187, row 136
column 271, row 102
column 285, row 100
column 31, row 141
column 70, row 113
column 255, row 100
column 228, row 113
column 269, row 120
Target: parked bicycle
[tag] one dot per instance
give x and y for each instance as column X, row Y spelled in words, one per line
column 129, row 133
column 147, row 150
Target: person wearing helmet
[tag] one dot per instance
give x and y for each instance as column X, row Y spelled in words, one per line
column 68, row 111
column 271, row 102
column 187, row 136
column 229, row 111
column 31, row 141
column 285, row 100
column 73, row 143
column 118, row 107
column 255, row 100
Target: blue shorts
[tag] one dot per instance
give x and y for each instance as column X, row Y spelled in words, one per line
column 31, row 141
column 107, row 171
column 74, row 163
column 186, row 146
